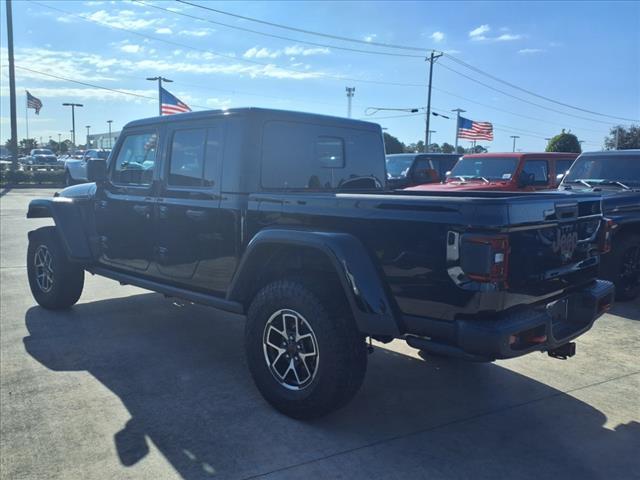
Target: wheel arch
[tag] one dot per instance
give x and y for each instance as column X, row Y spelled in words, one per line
column 69, row 222
column 274, row 252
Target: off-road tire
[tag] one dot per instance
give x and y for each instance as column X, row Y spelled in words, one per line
column 342, row 360
column 625, row 246
column 63, row 286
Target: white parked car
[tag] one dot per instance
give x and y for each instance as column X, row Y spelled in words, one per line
column 75, row 170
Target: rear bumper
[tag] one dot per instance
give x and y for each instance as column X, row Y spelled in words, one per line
column 519, row 332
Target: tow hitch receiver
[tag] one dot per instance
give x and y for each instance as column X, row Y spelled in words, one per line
column 563, row 351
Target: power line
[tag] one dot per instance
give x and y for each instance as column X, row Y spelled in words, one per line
column 231, row 57
column 519, row 98
column 557, row 102
column 308, row 32
column 507, row 111
column 101, row 87
column 403, row 47
column 289, row 39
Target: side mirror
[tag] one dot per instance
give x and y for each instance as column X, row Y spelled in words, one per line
column 97, row 170
column 526, row 179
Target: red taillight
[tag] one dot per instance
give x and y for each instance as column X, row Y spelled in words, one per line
column 606, row 233
column 485, row 258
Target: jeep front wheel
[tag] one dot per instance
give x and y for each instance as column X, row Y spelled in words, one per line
column 55, row 282
column 304, row 351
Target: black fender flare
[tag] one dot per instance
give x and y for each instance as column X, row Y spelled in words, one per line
column 368, row 296
column 70, row 225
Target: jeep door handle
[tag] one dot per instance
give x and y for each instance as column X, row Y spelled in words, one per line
column 195, row 214
column 142, row 210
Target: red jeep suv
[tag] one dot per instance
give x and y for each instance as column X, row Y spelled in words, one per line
column 505, row 171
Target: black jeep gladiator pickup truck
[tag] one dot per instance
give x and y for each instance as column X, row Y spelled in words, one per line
column 615, row 175
column 283, row 217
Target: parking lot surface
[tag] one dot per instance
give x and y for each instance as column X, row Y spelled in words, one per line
column 129, row 384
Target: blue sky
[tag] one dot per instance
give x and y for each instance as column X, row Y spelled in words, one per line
column 586, row 54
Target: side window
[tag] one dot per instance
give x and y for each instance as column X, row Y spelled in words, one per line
column 136, row 159
column 424, row 172
column 538, row 170
column 561, row 168
column 330, row 152
column 186, row 164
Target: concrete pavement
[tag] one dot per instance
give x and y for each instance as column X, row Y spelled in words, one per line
column 128, row 384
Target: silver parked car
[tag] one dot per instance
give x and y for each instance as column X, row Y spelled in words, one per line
column 75, row 170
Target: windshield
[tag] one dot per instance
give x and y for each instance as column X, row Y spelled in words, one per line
column 398, row 167
column 491, row 168
column 602, row 169
column 42, row 151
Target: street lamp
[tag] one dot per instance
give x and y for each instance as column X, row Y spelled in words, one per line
column 87, row 127
column 73, row 119
column 110, row 122
column 514, row 141
column 59, row 145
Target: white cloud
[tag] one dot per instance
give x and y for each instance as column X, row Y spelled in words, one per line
column 262, row 52
column 197, row 33
column 121, row 19
column 164, row 31
column 131, row 48
column 298, row 50
column 528, row 51
column 479, row 32
column 437, row 37
column 255, row 52
column 507, row 37
column 90, row 93
column 370, row 37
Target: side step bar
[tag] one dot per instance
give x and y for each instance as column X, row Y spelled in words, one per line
column 438, row 348
column 170, row 291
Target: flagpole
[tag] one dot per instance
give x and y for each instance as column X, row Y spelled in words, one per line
column 26, row 114
column 458, row 111
column 159, row 79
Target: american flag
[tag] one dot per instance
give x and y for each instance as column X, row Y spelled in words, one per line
column 33, row 102
column 170, row 104
column 474, row 130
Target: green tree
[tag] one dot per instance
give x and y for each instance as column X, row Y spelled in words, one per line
column 435, row 148
column 564, row 142
column 460, row 150
column 417, row 147
column 628, row 138
column 447, row 148
column 478, row 149
column 26, row 145
column 392, row 144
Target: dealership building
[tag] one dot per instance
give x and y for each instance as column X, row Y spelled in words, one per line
column 102, row 140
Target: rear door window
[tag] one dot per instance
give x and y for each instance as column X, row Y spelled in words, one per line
column 186, row 163
column 539, row 169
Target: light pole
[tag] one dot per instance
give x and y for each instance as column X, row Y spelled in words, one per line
column 59, row 144
column 514, row 142
column 159, row 80
column 109, row 122
column 73, row 119
column 350, row 93
column 458, row 112
column 430, row 132
column 433, row 57
column 87, row 145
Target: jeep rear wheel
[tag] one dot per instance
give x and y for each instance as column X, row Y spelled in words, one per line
column 55, row 282
column 623, row 268
column 304, row 351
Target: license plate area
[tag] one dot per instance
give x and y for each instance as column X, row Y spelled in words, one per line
column 561, row 325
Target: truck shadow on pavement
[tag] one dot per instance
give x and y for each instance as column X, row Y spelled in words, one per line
column 180, row 372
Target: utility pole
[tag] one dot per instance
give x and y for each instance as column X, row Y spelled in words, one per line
column 73, row 119
column 12, row 89
column 458, row 112
column 159, row 80
column 514, row 142
column 350, row 93
column 87, row 145
column 617, row 136
column 432, row 58
column 59, row 145
column 109, row 122
column 430, row 132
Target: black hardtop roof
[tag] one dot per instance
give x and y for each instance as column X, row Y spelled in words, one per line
column 613, row 153
column 257, row 113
